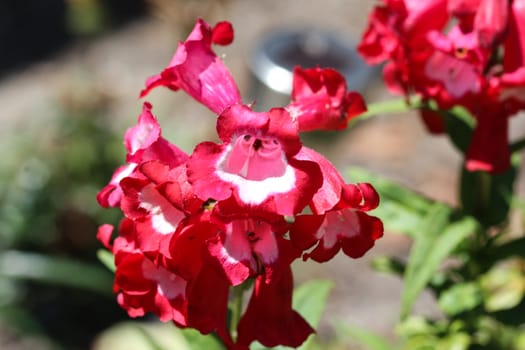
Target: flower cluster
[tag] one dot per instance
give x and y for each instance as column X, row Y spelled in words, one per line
column 237, row 211
column 469, row 53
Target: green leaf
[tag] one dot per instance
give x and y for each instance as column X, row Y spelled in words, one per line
column 398, row 218
column 460, row 298
column 437, row 240
column 400, row 209
column 519, row 341
column 415, row 277
column 389, row 265
column 153, row 343
column 309, row 299
column 504, row 287
column 107, row 258
column 415, row 325
column 144, row 336
column 455, row 341
column 55, row 270
column 391, row 189
column 20, row 319
column 198, row 341
column 419, row 333
column 491, row 334
column 369, row 339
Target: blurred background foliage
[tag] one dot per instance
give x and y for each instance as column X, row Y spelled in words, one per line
column 54, row 294
column 51, row 283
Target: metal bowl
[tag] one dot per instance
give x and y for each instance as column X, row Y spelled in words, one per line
column 273, row 60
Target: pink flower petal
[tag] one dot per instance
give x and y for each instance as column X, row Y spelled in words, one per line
column 104, row 233
column 144, row 134
column 329, row 194
column 196, row 69
column 320, row 100
column 201, row 172
column 111, row 194
column 457, row 76
column 218, row 171
column 222, row 33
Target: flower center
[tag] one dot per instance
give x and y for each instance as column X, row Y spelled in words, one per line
column 260, row 239
column 255, row 158
column 461, row 52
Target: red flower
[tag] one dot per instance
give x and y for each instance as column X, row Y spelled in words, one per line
column 339, row 217
column 489, row 148
column 196, row 226
column 143, row 143
column 397, row 30
column 249, row 246
column 256, row 164
column 346, row 226
column 511, row 84
column 320, row 100
column 269, row 317
column 491, row 21
column 208, row 287
column 504, row 97
column 478, row 64
column 197, row 70
column 515, row 42
column 143, row 286
column 453, row 71
column 155, row 216
column 381, row 37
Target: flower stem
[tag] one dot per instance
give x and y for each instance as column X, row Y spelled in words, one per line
column 484, row 188
column 236, row 309
column 484, row 185
column 517, row 146
column 390, row 106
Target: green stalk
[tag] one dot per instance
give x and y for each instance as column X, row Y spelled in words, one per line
column 236, row 309
column 391, row 106
column 484, row 187
column 517, row 146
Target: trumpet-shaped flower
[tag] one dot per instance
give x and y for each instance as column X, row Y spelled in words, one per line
column 476, row 61
column 320, row 100
column 256, row 164
column 197, row 225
